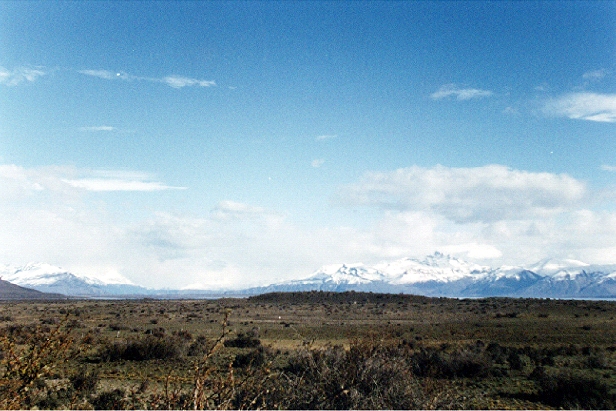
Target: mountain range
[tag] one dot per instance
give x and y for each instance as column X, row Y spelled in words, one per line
column 447, row 276
column 51, row 279
column 434, row 275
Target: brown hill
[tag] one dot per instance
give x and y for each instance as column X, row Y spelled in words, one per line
column 9, row 291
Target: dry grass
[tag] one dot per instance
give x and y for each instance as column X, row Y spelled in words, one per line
column 350, row 350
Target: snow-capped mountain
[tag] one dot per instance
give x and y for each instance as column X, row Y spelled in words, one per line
column 52, row 279
column 572, row 277
column 434, row 275
column 443, row 275
column 436, row 267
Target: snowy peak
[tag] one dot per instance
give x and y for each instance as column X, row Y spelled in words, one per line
column 41, row 273
column 347, row 274
column 553, row 266
column 33, row 274
column 434, row 275
column 568, row 269
column 48, row 278
column 436, row 267
column 443, row 275
column 441, row 260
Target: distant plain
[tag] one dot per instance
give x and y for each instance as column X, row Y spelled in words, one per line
column 508, row 346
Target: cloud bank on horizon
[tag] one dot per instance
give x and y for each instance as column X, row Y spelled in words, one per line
column 188, row 152
column 479, row 213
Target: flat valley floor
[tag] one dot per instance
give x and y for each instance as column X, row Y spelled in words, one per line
column 310, row 350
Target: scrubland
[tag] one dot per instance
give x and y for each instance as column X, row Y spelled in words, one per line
column 313, row 350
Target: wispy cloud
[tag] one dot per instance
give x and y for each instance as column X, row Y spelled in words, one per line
column 317, row 162
column 179, row 82
column 104, row 74
column 583, row 106
column 97, row 128
column 595, row 74
column 172, row 80
column 227, row 209
column 606, row 167
column 101, row 184
column 451, row 90
column 19, row 75
column 326, row 137
column 19, row 182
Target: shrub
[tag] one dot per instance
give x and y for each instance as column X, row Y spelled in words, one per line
column 109, row 400
column 148, row 347
column 467, row 362
column 85, row 381
column 427, row 363
column 517, row 361
column 497, row 353
column 54, row 398
column 254, row 358
column 574, row 391
column 597, row 360
column 118, row 327
column 368, row 376
column 23, row 370
column 199, row 346
column 244, row 340
column 183, row 335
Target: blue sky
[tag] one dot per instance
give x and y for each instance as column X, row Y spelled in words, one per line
column 223, row 144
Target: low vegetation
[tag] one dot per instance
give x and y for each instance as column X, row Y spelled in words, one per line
column 309, row 351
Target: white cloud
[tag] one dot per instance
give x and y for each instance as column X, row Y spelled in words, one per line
column 606, row 167
column 99, row 184
column 473, row 251
column 179, row 82
column 172, row 81
column 235, row 245
column 104, row 74
column 451, row 90
column 595, row 74
column 317, row 162
column 97, row 128
column 583, row 106
column 326, row 137
column 489, row 213
column 44, row 218
column 117, row 180
column 19, row 75
column 232, row 210
column 482, row 194
column 486, row 213
column 19, row 182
